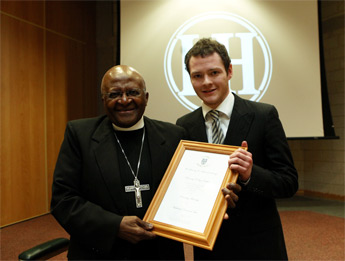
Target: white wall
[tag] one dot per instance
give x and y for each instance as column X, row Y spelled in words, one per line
column 320, row 163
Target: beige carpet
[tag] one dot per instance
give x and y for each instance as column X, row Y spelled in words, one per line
column 313, row 236
column 22, row 236
column 308, row 235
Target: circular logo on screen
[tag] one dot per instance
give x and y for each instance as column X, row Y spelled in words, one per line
column 249, row 51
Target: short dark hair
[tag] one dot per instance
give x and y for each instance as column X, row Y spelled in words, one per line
column 205, row 47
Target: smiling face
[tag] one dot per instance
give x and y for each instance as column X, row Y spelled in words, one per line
column 124, row 95
column 210, row 79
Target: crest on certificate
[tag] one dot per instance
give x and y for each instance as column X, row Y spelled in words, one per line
column 203, row 162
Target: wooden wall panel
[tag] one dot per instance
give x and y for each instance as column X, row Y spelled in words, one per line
column 23, row 179
column 72, row 92
column 74, row 16
column 65, row 82
column 47, row 78
column 32, row 11
column 91, row 87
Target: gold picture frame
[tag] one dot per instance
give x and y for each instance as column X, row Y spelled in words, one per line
column 178, row 227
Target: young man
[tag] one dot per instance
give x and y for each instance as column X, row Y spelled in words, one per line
column 266, row 171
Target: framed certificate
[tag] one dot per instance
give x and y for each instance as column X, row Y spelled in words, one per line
column 189, row 205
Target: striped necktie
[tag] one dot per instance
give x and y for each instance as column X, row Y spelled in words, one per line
column 217, row 134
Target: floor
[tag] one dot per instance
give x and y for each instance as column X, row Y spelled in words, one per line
column 301, row 239
column 323, row 206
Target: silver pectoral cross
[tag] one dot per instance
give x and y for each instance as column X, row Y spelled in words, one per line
column 137, row 188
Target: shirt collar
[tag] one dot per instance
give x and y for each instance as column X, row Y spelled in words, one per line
column 225, row 107
column 137, row 126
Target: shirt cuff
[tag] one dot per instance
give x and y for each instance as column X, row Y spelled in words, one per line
column 245, row 183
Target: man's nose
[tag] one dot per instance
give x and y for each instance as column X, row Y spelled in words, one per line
column 207, row 80
column 124, row 99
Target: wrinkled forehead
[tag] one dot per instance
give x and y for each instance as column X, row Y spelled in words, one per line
column 122, row 79
column 125, row 82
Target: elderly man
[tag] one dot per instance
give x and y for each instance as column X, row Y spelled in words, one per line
column 107, row 172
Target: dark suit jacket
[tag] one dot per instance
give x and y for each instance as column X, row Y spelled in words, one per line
column 86, row 197
column 254, row 229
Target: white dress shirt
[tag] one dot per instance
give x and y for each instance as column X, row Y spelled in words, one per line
column 137, row 126
column 225, row 111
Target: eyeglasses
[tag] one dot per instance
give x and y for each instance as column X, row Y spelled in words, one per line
column 132, row 93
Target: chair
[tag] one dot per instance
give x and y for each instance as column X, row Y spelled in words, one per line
column 45, row 250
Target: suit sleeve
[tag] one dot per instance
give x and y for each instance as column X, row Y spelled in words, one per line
column 81, row 218
column 276, row 175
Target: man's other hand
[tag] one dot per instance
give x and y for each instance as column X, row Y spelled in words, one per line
column 133, row 229
column 230, row 193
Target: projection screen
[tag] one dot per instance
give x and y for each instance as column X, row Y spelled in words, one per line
column 274, row 47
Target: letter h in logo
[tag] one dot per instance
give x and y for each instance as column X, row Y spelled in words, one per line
column 255, row 88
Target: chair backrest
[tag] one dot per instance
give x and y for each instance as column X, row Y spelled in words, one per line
column 45, row 250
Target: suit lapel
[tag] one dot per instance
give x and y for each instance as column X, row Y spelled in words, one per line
column 239, row 125
column 107, row 160
column 240, row 122
column 158, row 153
column 197, row 129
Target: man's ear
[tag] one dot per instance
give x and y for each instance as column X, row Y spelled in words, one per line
column 230, row 72
column 147, row 97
